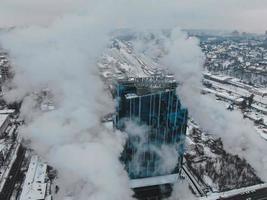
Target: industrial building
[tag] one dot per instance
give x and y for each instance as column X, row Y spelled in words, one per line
column 5, row 72
column 36, row 184
column 11, row 153
column 151, row 103
column 4, row 122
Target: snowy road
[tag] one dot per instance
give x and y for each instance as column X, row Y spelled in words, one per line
column 260, row 194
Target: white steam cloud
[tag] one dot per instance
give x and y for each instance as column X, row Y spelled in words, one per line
column 183, row 56
column 239, row 135
column 167, row 154
column 181, row 191
column 71, row 138
column 62, row 57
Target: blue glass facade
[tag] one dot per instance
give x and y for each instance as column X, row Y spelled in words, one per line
column 160, row 111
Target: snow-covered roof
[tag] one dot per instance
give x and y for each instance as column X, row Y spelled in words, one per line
column 232, row 193
column 156, row 180
column 7, row 111
column 131, row 96
column 34, row 187
column 3, row 118
column 260, row 91
column 262, row 132
column 121, row 61
column 218, row 77
column 2, row 147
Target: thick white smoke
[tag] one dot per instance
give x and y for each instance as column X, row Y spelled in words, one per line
column 182, row 55
column 62, row 57
column 71, row 138
column 239, row 135
column 181, row 191
column 167, row 154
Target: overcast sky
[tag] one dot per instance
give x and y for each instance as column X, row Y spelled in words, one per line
column 245, row 15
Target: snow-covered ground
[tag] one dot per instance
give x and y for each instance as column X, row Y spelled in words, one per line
column 220, row 170
column 234, row 94
column 231, row 193
column 213, row 166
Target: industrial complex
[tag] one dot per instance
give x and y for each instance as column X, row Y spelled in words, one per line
column 164, row 144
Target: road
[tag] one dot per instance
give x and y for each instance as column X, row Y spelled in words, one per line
column 260, row 194
column 14, row 175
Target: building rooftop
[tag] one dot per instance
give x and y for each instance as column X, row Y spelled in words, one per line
column 145, row 85
column 156, row 180
column 34, row 187
column 7, row 111
column 130, row 96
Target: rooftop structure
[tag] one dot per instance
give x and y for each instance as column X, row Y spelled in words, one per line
column 4, row 67
column 4, row 121
column 11, row 154
column 148, row 85
column 35, row 183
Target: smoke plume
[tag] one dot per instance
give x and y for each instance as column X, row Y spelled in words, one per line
column 71, row 138
column 167, row 154
column 62, row 57
column 183, row 57
column 239, row 135
column 181, row 191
